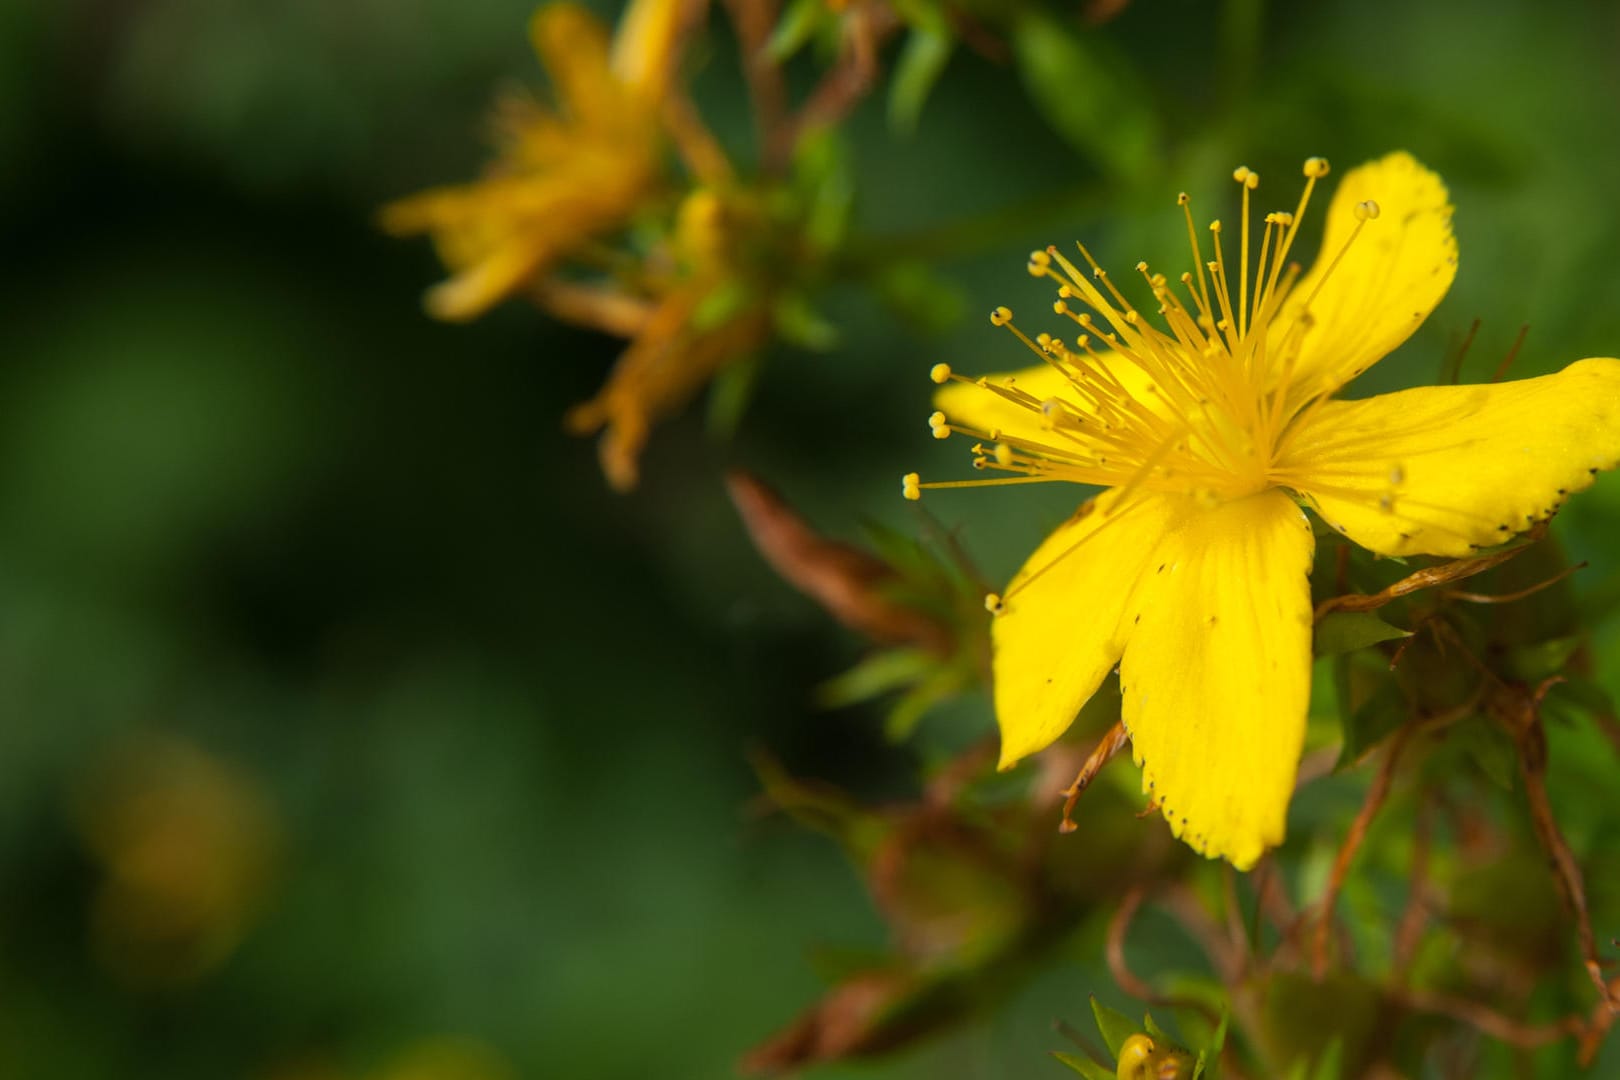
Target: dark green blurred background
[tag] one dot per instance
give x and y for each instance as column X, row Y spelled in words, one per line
column 320, row 587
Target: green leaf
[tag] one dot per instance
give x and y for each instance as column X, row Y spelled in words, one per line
column 1328, row 1066
column 1084, row 1066
column 920, row 297
column 877, row 674
column 729, row 395
column 1532, row 663
column 824, row 176
column 1384, row 711
column 720, row 304
column 1347, row 631
column 1155, row 1030
column 801, row 324
column 1576, row 695
column 1090, row 96
column 1114, row 1025
column 922, row 61
column 911, row 708
column 796, row 27
column 1490, row 748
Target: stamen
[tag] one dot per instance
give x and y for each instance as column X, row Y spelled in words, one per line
column 1250, row 180
column 940, row 373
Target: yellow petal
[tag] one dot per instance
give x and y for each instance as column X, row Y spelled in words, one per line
column 1445, row 470
column 1060, row 628
column 644, row 46
column 573, row 45
column 1216, row 677
column 1385, row 284
column 476, row 289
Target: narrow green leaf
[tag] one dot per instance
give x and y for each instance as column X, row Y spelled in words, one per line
column 796, row 27
column 1114, row 1025
column 1488, row 747
column 1153, row 1029
column 922, row 61
column 801, row 324
column 729, row 395
column 914, row 705
column 1084, row 1066
column 1532, row 663
column 1347, row 631
column 720, row 305
column 1090, row 96
column 922, row 298
column 1384, row 711
column 877, row 674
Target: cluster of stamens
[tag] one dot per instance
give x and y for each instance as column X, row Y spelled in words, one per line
column 1197, row 406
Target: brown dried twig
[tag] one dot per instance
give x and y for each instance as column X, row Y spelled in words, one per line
column 1426, row 578
column 1110, row 745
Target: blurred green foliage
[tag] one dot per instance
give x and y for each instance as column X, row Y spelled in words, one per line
column 450, row 776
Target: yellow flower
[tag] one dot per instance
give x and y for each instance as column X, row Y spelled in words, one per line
column 562, row 177
column 703, row 317
column 1209, row 430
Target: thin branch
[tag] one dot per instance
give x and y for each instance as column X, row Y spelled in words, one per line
column 1508, row 598
column 1488, row 1020
column 1376, row 794
column 1513, row 353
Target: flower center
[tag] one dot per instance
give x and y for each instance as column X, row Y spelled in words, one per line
column 1196, row 406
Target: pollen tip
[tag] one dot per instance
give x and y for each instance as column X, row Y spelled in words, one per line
column 911, row 486
column 1001, row 316
column 1316, row 167
column 1004, row 455
column 936, row 419
column 1241, row 174
column 993, row 604
column 1183, row 199
column 1059, row 307
column 1142, row 266
column 940, row 374
column 1366, row 211
column 1039, row 263
column 1215, row 226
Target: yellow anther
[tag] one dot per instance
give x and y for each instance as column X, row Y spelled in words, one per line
column 1141, row 267
column 1004, row 455
column 936, row 419
column 1215, row 226
column 1065, row 292
column 1366, row 211
column 1039, row 263
column 993, row 604
column 940, row 373
column 910, row 486
column 1183, row 199
column 1044, row 340
column 1001, row 316
column 1241, row 174
column 943, row 431
column 1059, row 307
column 1134, row 1053
column 1316, row 167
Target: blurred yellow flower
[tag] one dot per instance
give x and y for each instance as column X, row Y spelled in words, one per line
column 563, row 177
column 1191, row 571
column 188, row 847
column 703, row 316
